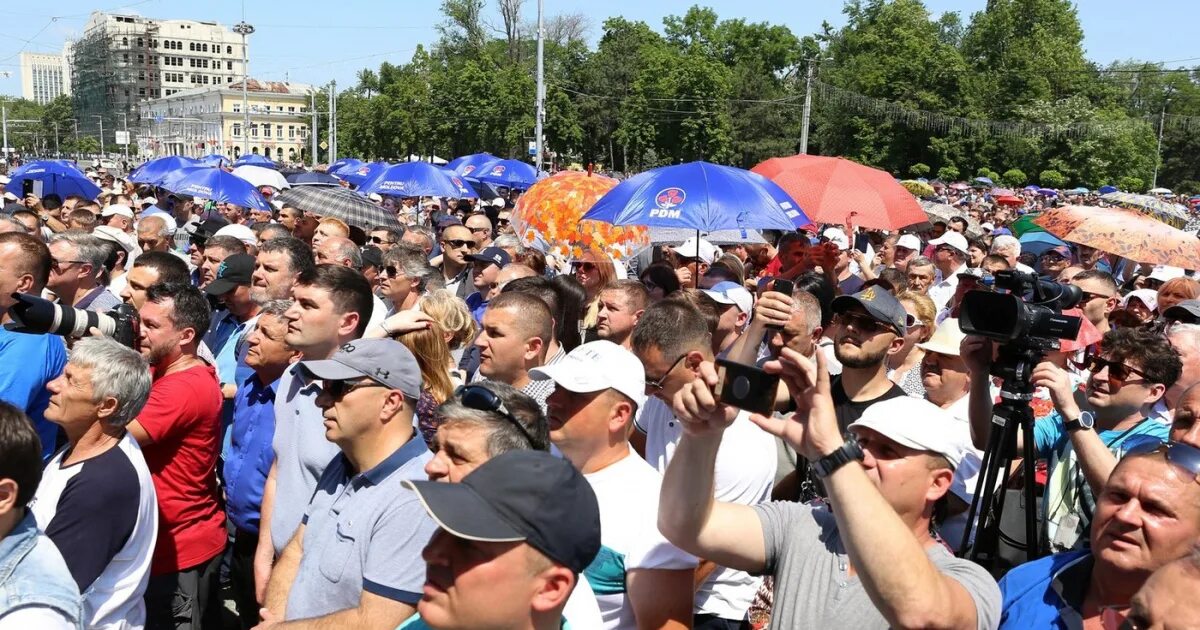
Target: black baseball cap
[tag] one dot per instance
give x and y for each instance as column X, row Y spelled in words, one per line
column 372, row 256
column 1187, row 311
column 879, row 304
column 234, row 271
column 493, row 255
column 529, row 496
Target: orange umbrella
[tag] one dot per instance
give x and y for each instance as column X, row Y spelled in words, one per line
column 838, row 191
column 548, row 214
column 1125, row 233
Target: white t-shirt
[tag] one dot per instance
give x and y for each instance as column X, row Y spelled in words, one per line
column 627, row 492
column 745, row 474
column 966, row 474
column 102, row 515
column 379, row 312
column 582, row 610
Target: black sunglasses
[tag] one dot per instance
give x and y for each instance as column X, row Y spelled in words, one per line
column 1183, row 455
column 1118, row 372
column 586, row 266
column 657, row 384
column 381, row 241
column 338, row 389
column 480, row 398
column 391, row 271
column 457, row 243
column 862, row 322
column 501, row 221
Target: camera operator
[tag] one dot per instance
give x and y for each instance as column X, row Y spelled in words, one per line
column 1130, row 375
column 76, row 262
column 27, row 362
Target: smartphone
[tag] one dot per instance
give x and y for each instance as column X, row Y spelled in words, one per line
column 26, row 188
column 861, row 242
column 746, row 386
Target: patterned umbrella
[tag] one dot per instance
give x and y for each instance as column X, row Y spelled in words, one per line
column 548, row 214
column 1025, row 224
column 1123, row 232
column 1172, row 214
column 1002, row 192
column 835, row 190
column 918, row 189
column 945, row 212
column 339, row 203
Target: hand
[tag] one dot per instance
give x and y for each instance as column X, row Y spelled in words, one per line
column 32, row 201
column 1058, row 383
column 406, row 322
column 697, row 408
column 977, row 352
column 773, row 309
column 684, row 274
column 269, row 619
column 813, row 430
column 858, row 257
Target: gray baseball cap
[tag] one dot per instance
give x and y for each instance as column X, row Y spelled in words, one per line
column 879, row 303
column 384, row 361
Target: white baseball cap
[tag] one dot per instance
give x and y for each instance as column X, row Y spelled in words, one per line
column 731, row 293
column 946, row 338
column 1149, row 297
column 953, row 239
column 909, row 241
column 697, row 248
column 837, row 237
column 1164, row 273
column 918, row 424
column 117, row 209
column 240, row 232
column 376, row 197
column 4, row 179
column 148, row 201
column 597, row 366
column 115, row 235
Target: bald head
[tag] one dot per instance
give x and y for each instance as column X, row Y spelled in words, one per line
column 338, row 250
column 508, row 274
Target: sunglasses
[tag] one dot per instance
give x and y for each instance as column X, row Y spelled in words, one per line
column 587, row 267
column 657, row 384
column 480, row 230
column 1088, row 296
column 911, row 321
column 391, row 271
column 501, row 222
column 1118, row 372
column 381, row 241
column 1152, row 283
column 1183, row 455
column 459, row 243
column 338, row 389
column 481, row 398
column 62, row 264
column 863, row 322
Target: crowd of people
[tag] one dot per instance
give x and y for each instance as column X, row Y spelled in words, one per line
column 329, row 425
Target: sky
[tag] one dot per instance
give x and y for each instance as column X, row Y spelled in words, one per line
column 315, row 41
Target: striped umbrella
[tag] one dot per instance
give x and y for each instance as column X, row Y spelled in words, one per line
column 1172, row 214
column 339, row 203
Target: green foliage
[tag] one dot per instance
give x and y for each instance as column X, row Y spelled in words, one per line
column 1014, row 177
column 948, row 173
column 919, row 170
column 1051, row 179
column 1132, row 184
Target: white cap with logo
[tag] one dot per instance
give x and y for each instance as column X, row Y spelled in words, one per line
column 697, row 248
column 953, row 239
column 909, row 241
column 596, row 366
column 918, row 424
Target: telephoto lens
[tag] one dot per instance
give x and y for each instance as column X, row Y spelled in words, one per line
column 33, row 315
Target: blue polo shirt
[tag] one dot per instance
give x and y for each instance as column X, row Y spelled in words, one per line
column 1046, row 593
column 27, row 363
column 249, row 455
column 363, row 532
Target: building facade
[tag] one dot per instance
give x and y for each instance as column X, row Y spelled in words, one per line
column 44, row 77
column 124, row 60
column 206, row 120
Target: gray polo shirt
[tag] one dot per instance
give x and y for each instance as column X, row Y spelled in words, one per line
column 301, row 452
column 363, row 532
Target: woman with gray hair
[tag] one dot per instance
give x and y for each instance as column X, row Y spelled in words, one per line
column 96, row 500
column 406, row 276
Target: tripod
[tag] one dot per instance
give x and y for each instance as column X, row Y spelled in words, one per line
column 1014, row 365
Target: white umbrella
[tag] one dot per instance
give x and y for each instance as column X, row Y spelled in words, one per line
column 1160, row 191
column 261, row 176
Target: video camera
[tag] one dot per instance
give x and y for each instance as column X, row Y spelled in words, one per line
column 1030, row 314
column 34, row 315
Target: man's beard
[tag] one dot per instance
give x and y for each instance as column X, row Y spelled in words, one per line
column 160, row 352
column 864, row 360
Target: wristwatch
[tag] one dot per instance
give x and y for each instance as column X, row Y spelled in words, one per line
column 1085, row 422
column 846, row 453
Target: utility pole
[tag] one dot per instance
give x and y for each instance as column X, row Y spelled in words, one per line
column 808, row 78
column 101, row 119
column 541, row 95
column 125, row 126
column 1162, row 120
column 312, row 128
column 244, row 29
column 4, row 117
column 76, row 122
column 56, row 152
column 332, row 124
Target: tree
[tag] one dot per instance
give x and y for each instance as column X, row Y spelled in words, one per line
column 919, row 170
column 1132, row 184
column 1014, row 177
column 947, row 173
column 1051, row 179
column 510, row 13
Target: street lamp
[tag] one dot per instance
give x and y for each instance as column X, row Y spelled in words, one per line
column 244, row 29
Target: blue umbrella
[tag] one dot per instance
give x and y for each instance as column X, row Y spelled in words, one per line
column 1079, row 191
column 313, row 179
column 172, row 178
column 1038, row 242
column 985, row 180
column 1104, row 190
column 217, row 185
column 511, row 173
column 214, row 159
column 1033, row 187
column 254, row 159
column 417, row 179
column 358, row 175
column 468, row 164
column 1048, row 193
column 338, row 165
column 152, row 172
column 56, row 178
column 700, row 196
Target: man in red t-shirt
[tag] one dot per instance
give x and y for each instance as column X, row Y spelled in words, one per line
column 179, row 432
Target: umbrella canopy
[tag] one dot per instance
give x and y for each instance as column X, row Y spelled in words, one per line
column 984, row 180
column 1038, row 242
column 360, row 173
column 511, row 173
column 549, row 215
column 1159, row 191
column 1009, row 200
column 676, row 236
column 261, row 176
column 945, row 212
column 468, row 164
column 342, row 163
column 152, row 172
column 1172, row 214
column 918, row 188
column 217, row 185
column 213, row 159
column 254, row 159
column 172, row 178
column 835, row 190
column 1123, row 232
column 1026, row 224
column 1032, row 188
column 313, row 179
column 1104, row 190
column 1080, row 190
column 417, row 179
column 960, row 186
column 59, row 179
column 340, row 203
column 701, row 196
column 1003, row 192
column 1046, row 192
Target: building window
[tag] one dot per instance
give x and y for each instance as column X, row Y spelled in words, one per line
column 266, row 131
column 253, row 130
column 141, row 43
column 237, row 108
column 141, row 75
column 229, row 50
column 205, row 47
column 141, row 91
column 192, row 46
column 237, row 130
column 279, row 131
column 141, row 58
column 303, row 133
column 124, row 41
column 125, row 57
column 229, row 65
column 291, row 132
column 229, row 79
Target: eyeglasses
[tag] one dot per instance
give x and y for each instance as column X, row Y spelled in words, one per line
column 338, row 389
column 1117, row 372
column 911, row 321
column 1088, row 296
column 459, row 243
column 1183, row 455
column 381, row 241
column 480, row 398
column 587, row 267
column 657, row 384
column 391, row 271
column 861, row 321
column 62, row 264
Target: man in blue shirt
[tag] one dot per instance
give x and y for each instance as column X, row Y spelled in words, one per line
column 28, row 361
column 485, row 267
column 249, row 455
column 1147, row 516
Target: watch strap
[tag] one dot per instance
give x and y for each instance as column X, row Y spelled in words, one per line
column 846, row 453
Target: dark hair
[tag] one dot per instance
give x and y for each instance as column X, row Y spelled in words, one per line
column 226, row 242
column 348, row 290
column 543, row 289
column 170, row 268
column 534, row 317
column 264, row 232
column 300, row 255
column 34, row 258
column 816, row 284
column 84, row 217
column 502, row 435
column 673, row 326
column 571, row 298
column 1151, row 351
column 662, row 275
column 881, row 283
column 792, row 237
column 533, row 259
column 189, row 307
column 20, row 452
column 394, row 234
column 52, row 201
column 977, row 244
column 635, row 292
column 959, row 220
column 896, row 278
column 1103, row 277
